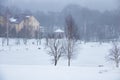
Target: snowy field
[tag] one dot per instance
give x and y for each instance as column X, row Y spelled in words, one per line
column 31, row 62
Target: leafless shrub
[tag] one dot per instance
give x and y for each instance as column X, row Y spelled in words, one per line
column 55, row 49
column 114, row 54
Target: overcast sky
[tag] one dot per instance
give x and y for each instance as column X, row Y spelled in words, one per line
column 58, row 5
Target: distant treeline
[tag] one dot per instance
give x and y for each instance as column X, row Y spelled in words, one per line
column 91, row 24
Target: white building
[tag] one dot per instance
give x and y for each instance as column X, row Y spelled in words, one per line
column 59, row 33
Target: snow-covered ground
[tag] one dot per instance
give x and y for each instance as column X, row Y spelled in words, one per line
column 38, row 72
column 31, row 62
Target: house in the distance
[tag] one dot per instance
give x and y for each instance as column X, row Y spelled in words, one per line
column 25, row 23
column 59, row 33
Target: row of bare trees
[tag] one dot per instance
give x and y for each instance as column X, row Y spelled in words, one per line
column 65, row 46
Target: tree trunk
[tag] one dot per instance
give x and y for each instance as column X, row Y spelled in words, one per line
column 3, row 42
column 117, row 65
column 46, row 41
column 68, row 62
column 55, row 62
column 7, row 41
column 37, row 42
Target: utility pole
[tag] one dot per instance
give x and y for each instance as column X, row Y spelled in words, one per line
column 7, row 32
column 7, row 15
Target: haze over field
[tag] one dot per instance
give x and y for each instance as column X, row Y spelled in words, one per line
column 59, row 39
column 58, row 5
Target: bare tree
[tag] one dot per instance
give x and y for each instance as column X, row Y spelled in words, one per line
column 17, row 41
column 38, row 36
column 69, row 48
column 48, row 36
column 46, row 39
column 70, row 37
column 3, row 41
column 114, row 54
column 55, row 49
column 25, row 41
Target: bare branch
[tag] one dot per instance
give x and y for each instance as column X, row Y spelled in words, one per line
column 55, row 49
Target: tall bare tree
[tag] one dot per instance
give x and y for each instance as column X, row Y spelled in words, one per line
column 114, row 54
column 70, row 37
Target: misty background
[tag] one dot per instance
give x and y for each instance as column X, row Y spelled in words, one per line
column 96, row 20
column 58, row 5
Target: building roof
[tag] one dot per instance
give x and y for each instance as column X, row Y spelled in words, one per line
column 18, row 19
column 59, row 31
column 12, row 19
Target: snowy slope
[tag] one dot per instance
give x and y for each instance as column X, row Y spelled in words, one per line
column 31, row 62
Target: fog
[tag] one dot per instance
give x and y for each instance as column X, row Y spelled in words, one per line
column 58, row 5
column 90, row 23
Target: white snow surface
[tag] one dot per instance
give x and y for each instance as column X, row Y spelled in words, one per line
column 31, row 62
column 36, row 72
